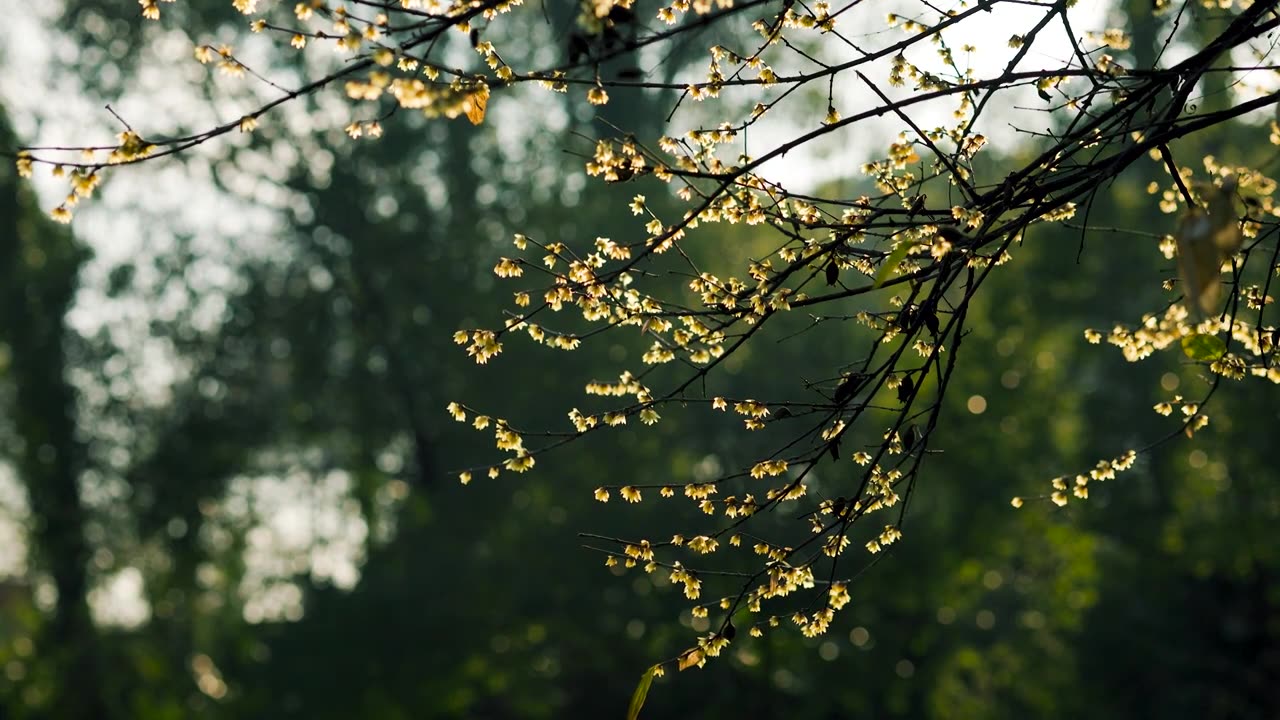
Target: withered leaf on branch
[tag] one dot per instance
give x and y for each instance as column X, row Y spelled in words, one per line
column 690, row 659
column 905, row 389
column 1206, row 237
column 848, row 388
column 1222, row 213
column 620, row 15
column 578, row 48
column 907, row 318
column 1199, row 262
column 930, row 315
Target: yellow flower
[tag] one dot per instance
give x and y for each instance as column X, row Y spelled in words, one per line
column 703, row 544
column 521, row 462
column 508, row 268
column 350, row 42
column 456, row 411
column 231, row 68
column 602, row 495
column 768, row 467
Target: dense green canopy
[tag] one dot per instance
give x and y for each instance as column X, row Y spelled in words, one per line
column 249, row 431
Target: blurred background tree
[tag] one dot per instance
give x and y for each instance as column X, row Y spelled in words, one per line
column 227, row 483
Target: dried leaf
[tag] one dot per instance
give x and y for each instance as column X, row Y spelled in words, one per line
column 848, row 387
column 477, row 103
column 1227, row 235
column 1199, row 262
column 904, row 390
column 690, row 658
column 930, row 319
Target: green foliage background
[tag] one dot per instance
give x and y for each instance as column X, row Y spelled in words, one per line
column 1156, row 598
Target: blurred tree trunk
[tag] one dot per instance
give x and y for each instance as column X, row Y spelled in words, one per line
column 39, row 269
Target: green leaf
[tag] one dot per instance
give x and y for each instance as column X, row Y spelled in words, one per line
column 892, row 262
column 642, row 691
column 1203, row 347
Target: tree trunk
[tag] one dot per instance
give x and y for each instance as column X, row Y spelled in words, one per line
column 39, row 267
